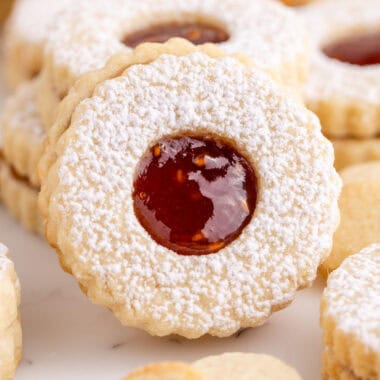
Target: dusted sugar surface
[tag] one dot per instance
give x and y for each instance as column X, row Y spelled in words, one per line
column 353, row 297
column 113, row 256
column 88, row 34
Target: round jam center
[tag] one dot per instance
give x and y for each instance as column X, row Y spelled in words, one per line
column 197, row 33
column 194, row 195
column 362, row 50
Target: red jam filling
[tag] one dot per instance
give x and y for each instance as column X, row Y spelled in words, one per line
column 197, row 33
column 362, row 50
column 194, row 195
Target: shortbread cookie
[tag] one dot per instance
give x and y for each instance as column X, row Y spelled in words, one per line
column 252, row 222
column 350, row 310
column 236, row 366
column 239, row 366
column 85, row 37
column 359, row 209
column 10, row 328
column 344, row 84
column 355, row 151
column 25, row 35
column 166, row 371
column 23, row 134
column 20, row 198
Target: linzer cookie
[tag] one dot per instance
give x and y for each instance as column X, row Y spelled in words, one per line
column 296, row 3
column 350, row 312
column 85, row 37
column 359, row 206
column 344, row 84
column 237, row 366
column 350, row 152
column 247, row 171
column 10, row 328
column 25, row 35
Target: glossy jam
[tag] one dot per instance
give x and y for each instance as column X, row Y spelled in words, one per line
column 362, row 50
column 197, row 33
column 194, row 195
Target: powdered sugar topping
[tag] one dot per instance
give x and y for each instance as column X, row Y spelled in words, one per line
column 353, row 296
column 146, row 284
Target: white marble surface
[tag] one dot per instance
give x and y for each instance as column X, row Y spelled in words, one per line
column 66, row 337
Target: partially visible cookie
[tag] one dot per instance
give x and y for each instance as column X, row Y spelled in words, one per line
column 244, row 366
column 350, row 310
column 344, row 81
column 359, row 205
column 22, row 131
column 355, row 151
column 20, row 198
column 166, row 371
column 229, row 366
column 10, row 328
column 5, row 7
column 25, row 33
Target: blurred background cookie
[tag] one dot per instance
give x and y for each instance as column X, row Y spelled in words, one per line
column 359, row 206
column 344, row 82
column 25, row 33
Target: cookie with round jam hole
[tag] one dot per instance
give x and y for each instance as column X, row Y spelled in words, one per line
column 194, row 195
column 190, row 194
column 84, row 37
column 344, row 83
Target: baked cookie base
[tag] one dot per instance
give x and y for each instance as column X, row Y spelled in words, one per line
column 21, row 199
column 355, row 151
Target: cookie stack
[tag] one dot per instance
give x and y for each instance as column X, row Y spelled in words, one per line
column 344, row 83
column 178, row 175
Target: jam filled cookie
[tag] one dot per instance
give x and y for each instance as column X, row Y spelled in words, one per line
column 266, row 31
column 359, row 210
column 344, row 84
column 190, row 194
column 355, row 151
column 22, row 132
column 236, row 366
column 25, row 35
column 296, row 3
column 10, row 328
column 350, row 310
